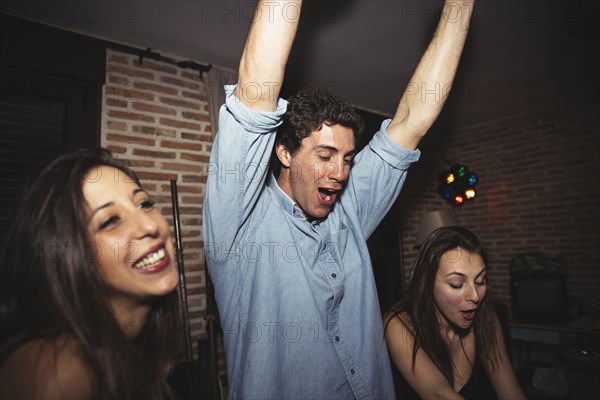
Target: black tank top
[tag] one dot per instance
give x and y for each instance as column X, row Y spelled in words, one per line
column 478, row 387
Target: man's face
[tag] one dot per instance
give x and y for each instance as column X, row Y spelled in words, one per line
column 314, row 177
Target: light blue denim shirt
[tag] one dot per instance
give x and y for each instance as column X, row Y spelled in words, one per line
column 297, row 299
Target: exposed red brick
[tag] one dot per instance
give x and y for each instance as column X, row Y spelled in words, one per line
column 192, row 199
column 146, row 130
column 127, row 93
column 116, row 125
column 154, row 131
column 117, row 149
column 141, row 163
column 196, row 290
column 152, row 87
column 181, row 145
column 119, row 59
column 130, row 139
column 181, row 167
column 130, row 116
column 150, row 187
column 116, row 103
column 133, row 72
column 180, row 82
column 193, row 244
column 152, row 108
column 195, row 116
column 196, row 136
column 188, row 189
column 200, row 96
column 192, row 75
column 179, row 103
column 155, row 154
column 156, row 176
column 193, row 179
column 200, row 158
column 179, row 124
column 118, row 80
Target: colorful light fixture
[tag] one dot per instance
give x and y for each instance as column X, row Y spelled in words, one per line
column 457, row 185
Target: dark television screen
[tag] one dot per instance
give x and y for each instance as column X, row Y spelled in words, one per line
column 539, row 299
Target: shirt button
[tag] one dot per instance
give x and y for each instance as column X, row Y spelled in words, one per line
column 333, row 275
column 337, row 338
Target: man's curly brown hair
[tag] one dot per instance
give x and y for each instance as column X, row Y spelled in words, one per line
column 307, row 111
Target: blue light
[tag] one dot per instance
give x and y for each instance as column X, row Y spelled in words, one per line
column 472, row 179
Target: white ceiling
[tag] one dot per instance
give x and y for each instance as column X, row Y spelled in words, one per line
column 518, row 55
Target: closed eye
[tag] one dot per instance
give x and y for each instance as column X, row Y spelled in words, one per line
column 109, row 222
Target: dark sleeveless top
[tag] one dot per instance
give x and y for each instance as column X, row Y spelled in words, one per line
column 478, row 387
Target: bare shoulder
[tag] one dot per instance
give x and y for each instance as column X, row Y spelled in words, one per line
column 46, row 369
column 396, row 322
column 398, row 329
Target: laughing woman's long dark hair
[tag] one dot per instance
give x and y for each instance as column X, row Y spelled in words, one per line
column 52, row 292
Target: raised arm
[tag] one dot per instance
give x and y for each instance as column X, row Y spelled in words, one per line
column 266, row 53
column 428, row 89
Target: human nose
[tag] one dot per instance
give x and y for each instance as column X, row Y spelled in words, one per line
column 474, row 294
column 339, row 172
column 146, row 223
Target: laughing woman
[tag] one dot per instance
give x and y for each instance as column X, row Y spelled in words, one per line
column 444, row 336
column 89, row 307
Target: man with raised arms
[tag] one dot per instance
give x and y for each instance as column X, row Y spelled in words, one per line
column 286, row 251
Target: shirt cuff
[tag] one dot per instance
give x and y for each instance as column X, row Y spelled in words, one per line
column 390, row 151
column 252, row 120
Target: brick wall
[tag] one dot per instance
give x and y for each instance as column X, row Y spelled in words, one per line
column 538, row 190
column 155, row 117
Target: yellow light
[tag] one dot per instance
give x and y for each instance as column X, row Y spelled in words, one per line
column 450, row 178
column 470, row 193
column 458, row 199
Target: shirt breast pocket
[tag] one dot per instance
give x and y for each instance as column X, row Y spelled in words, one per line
column 348, row 250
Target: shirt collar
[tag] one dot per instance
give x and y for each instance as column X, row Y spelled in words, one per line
column 286, row 203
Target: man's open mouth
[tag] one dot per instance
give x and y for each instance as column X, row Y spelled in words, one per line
column 328, row 196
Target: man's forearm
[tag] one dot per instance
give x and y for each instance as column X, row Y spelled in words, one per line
column 428, row 89
column 266, row 53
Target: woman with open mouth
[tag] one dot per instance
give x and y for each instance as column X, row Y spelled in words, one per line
column 444, row 336
column 89, row 307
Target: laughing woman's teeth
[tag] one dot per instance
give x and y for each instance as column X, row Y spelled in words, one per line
column 328, row 197
column 151, row 259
